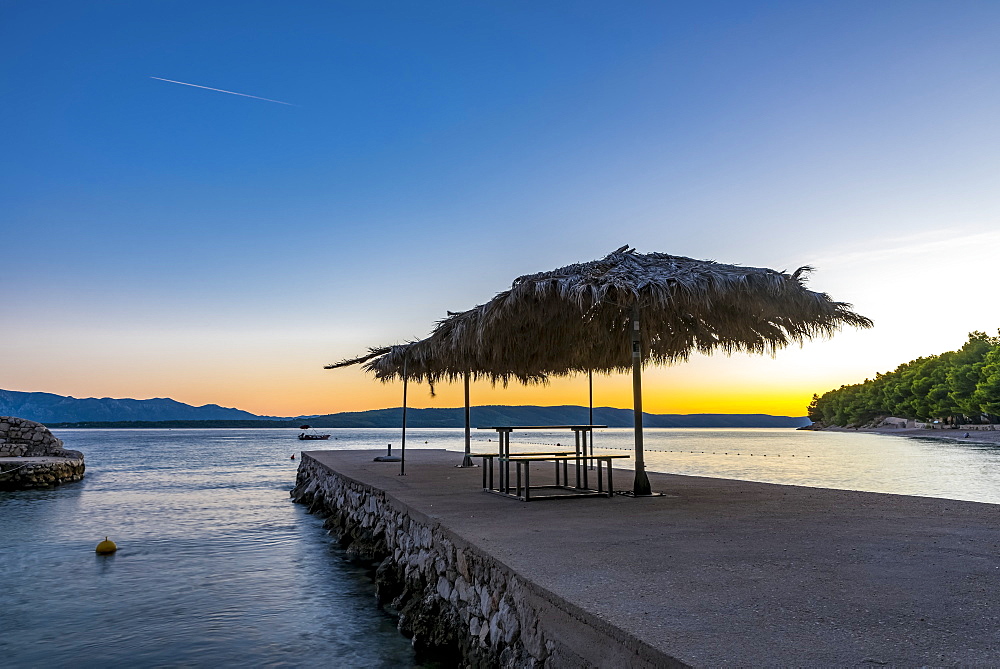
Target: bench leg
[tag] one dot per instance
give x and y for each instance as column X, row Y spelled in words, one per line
column 611, row 485
column 527, row 482
column 557, row 472
column 590, row 434
column 600, row 477
column 505, row 450
column 517, row 468
column 577, row 434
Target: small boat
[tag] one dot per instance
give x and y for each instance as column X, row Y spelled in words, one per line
column 313, row 437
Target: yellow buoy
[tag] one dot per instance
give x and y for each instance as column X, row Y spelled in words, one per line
column 107, row 546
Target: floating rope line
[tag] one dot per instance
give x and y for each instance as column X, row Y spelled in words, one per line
column 527, row 443
column 647, row 450
column 658, row 450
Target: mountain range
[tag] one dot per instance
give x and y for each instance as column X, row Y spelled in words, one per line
column 537, row 415
column 51, row 408
column 61, row 411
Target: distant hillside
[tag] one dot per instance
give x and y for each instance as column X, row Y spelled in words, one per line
column 536, row 415
column 51, row 408
column 60, row 411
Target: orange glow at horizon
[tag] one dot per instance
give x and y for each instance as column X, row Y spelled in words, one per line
column 296, row 384
column 350, row 390
column 319, row 391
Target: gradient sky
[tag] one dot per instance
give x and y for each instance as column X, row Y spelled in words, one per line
column 168, row 241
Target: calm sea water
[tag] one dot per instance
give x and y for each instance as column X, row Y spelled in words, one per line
column 217, row 567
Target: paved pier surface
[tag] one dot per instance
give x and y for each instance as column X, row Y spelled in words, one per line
column 725, row 572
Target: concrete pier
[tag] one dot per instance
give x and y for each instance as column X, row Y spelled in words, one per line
column 718, row 572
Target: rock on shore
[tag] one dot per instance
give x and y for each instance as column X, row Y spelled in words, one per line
column 32, row 457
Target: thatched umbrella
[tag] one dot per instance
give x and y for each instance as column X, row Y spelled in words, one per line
column 432, row 360
column 371, row 358
column 628, row 310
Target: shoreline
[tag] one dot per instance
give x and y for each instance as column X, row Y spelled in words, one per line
column 990, row 437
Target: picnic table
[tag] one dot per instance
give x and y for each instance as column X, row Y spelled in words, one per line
column 582, row 435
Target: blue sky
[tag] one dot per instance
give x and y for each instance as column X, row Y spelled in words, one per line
column 170, row 240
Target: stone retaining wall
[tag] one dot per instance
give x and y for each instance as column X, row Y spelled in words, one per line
column 34, row 457
column 20, row 437
column 459, row 605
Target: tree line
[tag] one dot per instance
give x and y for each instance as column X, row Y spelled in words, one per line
column 955, row 387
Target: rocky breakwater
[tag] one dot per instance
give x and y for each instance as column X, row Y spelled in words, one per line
column 32, row 457
column 460, row 606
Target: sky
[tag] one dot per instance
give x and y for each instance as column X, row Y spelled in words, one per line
column 163, row 240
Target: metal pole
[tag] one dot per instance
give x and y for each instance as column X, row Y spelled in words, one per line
column 590, row 379
column 590, row 383
column 641, row 485
column 467, row 461
column 402, row 456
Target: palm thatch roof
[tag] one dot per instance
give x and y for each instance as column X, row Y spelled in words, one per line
column 577, row 318
column 431, row 360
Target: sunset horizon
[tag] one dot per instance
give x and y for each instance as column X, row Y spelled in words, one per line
column 301, row 301
column 213, row 224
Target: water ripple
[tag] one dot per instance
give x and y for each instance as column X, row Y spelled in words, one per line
column 216, row 567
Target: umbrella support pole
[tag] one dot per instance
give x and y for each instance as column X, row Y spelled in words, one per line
column 467, row 460
column 402, row 458
column 641, row 487
column 590, row 419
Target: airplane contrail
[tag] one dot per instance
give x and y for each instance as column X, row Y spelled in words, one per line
column 219, row 90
